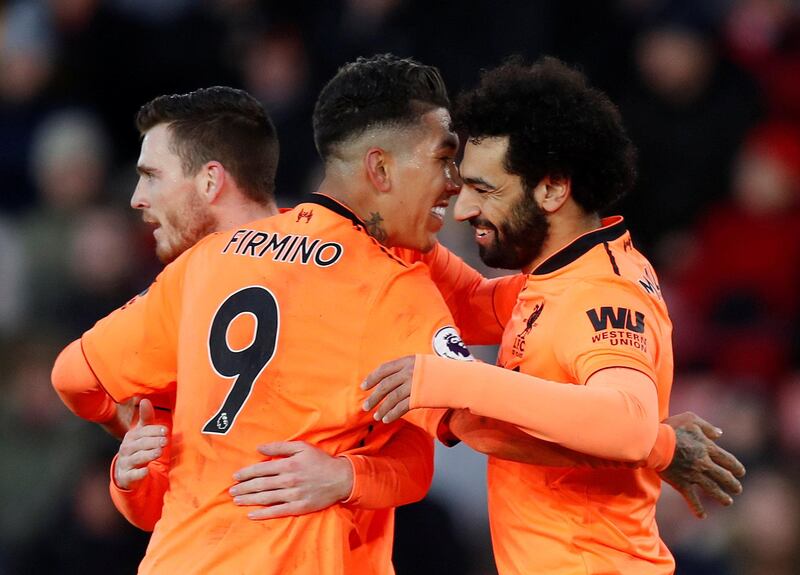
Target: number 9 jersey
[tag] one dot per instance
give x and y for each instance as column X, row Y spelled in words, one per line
column 265, row 333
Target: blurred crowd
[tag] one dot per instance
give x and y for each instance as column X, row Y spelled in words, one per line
column 709, row 89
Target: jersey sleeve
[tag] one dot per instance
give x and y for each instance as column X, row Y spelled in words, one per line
column 480, row 306
column 400, row 472
column 133, row 350
column 614, row 416
column 606, row 324
column 79, row 388
column 505, row 441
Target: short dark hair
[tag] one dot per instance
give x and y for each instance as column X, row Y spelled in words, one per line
column 222, row 124
column 557, row 125
column 383, row 90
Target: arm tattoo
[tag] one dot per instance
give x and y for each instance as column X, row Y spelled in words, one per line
column 375, row 228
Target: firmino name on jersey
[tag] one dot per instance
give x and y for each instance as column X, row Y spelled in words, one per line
column 290, row 248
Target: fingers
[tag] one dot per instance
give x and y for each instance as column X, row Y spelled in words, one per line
column 692, row 500
column 280, row 510
column 125, row 478
column 259, row 484
column 725, row 480
column 133, row 442
column 283, row 448
column 712, row 489
column 398, row 411
column 386, row 370
column 710, row 431
column 263, row 469
column 147, row 415
column 140, row 458
column 383, row 392
column 726, row 460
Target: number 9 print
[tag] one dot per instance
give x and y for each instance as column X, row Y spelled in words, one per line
column 245, row 365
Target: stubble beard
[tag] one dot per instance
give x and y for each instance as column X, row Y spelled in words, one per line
column 519, row 239
column 186, row 227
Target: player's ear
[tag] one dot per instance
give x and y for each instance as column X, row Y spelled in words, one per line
column 212, row 177
column 376, row 163
column 552, row 192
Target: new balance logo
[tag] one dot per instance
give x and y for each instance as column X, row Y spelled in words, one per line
column 305, row 215
column 649, row 283
column 619, row 318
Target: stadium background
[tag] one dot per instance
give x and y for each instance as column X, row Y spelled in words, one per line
column 710, row 90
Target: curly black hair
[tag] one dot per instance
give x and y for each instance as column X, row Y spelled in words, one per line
column 223, row 124
column 557, row 125
column 383, row 90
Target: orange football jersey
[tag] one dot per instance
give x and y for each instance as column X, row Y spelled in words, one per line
column 594, row 304
column 268, row 331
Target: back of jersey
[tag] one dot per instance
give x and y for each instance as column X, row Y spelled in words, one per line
column 268, row 331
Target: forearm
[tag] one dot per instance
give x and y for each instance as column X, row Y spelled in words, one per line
column 78, row 387
column 400, row 473
column 505, row 441
column 614, row 416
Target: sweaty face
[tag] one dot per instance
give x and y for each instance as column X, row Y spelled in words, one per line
column 423, row 181
column 169, row 199
column 510, row 227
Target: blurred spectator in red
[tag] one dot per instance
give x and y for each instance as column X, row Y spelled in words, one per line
column 764, row 37
column 788, row 414
column 742, row 282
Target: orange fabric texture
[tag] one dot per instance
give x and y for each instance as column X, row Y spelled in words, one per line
column 619, row 405
column 595, row 304
column 321, row 324
column 664, row 450
column 79, row 388
column 481, row 306
column 385, row 475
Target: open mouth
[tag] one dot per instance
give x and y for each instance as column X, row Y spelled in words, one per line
column 484, row 232
column 438, row 212
column 154, row 225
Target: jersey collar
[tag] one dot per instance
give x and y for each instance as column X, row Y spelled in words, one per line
column 612, row 228
column 335, row 206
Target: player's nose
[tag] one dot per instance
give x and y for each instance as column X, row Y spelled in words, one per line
column 453, row 179
column 138, row 199
column 466, row 207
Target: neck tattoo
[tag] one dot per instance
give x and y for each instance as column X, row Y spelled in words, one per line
column 375, row 228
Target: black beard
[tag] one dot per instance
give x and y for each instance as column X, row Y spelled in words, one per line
column 519, row 239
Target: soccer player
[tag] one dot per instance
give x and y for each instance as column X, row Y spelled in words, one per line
column 264, row 332
column 586, row 358
column 207, row 164
column 175, row 130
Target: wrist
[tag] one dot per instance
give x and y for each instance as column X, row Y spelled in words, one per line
column 663, row 450
column 348, row 484
column 114, row 425
column 346, row 480
column 116, row 478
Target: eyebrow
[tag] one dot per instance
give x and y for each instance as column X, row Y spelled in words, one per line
column 479, row 182
column 449, row 142
column 144, row 170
